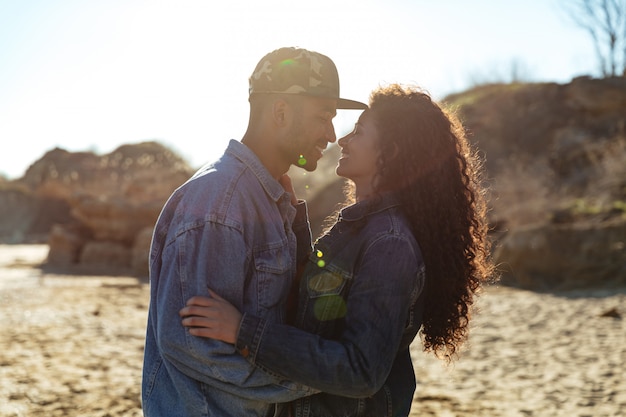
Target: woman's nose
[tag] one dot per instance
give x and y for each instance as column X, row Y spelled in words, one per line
column 343, row 141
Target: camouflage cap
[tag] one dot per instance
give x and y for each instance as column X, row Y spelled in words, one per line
column 299, row 71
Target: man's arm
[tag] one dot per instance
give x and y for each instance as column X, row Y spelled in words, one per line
column 211, row 256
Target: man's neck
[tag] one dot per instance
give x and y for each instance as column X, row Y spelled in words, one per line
column 268, row 156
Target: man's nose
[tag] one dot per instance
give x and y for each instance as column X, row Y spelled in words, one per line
column 330, row 133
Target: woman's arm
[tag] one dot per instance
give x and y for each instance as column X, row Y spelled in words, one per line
column 358, row 363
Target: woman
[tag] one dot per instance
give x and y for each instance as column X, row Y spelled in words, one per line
column 410, row 252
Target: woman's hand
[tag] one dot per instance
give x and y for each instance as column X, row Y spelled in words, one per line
column 285, row 181
column 214, row 318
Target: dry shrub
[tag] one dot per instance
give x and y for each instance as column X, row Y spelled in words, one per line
column 527, row 190
column 611, row 182
column 603, row 195
column 523, row 192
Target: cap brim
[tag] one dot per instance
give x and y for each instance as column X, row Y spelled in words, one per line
column 345, row 104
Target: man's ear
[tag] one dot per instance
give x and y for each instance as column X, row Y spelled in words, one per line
column 279, row 112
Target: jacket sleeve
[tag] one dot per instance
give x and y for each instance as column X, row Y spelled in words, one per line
column 191, row 263
column 358, row 363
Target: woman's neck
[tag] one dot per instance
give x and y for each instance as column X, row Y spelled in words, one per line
column 363, row 191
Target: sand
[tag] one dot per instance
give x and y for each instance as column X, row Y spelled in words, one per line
column 73, row 346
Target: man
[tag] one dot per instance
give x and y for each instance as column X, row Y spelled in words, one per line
column 231, row 228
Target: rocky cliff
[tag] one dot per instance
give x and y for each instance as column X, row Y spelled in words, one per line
column 556, row 165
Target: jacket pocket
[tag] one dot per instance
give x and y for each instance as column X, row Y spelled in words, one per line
column 273, row 267
column 327, row 290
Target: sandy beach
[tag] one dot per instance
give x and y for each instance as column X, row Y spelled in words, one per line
column 73, row 346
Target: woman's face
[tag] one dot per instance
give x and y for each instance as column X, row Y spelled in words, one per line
column 359, row 152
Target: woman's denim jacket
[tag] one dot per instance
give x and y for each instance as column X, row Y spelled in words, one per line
column 360, row 307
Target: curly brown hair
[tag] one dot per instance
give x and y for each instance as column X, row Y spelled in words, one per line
column 426, row 159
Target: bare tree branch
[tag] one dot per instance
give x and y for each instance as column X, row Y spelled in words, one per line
column 605, row 22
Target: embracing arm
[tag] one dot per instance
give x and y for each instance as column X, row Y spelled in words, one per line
column 358, row 363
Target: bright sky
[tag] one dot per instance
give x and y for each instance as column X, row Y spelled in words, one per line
column 93, row 75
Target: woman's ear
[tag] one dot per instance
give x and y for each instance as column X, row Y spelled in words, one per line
column 394, row 152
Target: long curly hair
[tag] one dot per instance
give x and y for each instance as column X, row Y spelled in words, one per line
column 426, row 159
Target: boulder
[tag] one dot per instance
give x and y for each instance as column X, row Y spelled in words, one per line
column 564, row 256
column 112, row 200
column 105, row 256
column 66, row 243
column 141, row 252
column 114, row 219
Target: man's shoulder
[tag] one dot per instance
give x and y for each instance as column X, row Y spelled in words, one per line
column 227, row 185
column 224, row 178
column 217, row 173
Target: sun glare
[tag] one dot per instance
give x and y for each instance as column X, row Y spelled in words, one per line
column 85, row 75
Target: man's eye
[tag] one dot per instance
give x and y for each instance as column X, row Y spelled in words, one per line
column 326, row 117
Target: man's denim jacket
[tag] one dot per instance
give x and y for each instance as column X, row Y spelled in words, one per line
column 360, row 307
column 228, row 228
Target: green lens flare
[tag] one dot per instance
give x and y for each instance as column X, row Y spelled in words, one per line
column 302, row 160
column 330, row 307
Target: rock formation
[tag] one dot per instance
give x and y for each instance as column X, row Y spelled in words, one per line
column 109, row 204
column 556, row 162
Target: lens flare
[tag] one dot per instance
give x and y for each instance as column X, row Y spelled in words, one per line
column 287, row 62
column 320, row 263
column 331, row 307
column 325, row 281
column 302, row 160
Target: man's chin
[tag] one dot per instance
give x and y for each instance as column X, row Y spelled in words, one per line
column 309, row 165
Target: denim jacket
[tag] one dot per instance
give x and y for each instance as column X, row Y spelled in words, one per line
column 229, row 228
column 360, row 307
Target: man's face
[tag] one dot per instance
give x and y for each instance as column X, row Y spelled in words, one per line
column 311, row 130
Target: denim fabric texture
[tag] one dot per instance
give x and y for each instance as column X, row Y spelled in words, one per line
column 360, row 307
column 229, row 228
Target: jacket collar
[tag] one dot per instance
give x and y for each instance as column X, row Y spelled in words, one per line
column 358, row 211
column 249, row 158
